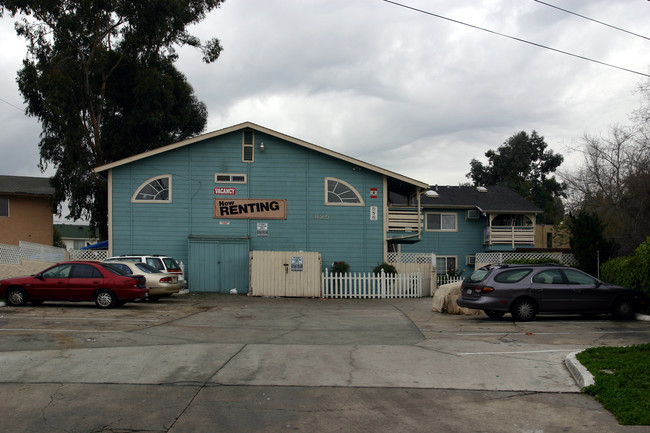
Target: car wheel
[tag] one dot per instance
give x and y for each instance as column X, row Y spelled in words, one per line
column 16, row 296
column 105, row 299
column 492, row 314
column 623, row 309
column 523, row 310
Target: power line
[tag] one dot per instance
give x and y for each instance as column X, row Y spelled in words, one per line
column 546, row 47
column 591, row 19
column 11, row 105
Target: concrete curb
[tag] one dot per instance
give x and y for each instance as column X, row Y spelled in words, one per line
column 581, row 375
column 578, row 371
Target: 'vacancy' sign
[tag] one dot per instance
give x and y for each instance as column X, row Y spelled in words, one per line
column 249, row 208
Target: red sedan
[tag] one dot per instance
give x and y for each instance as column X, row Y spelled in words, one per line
column 75, row 281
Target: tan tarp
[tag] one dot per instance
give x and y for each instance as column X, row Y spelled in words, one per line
column 444, row 300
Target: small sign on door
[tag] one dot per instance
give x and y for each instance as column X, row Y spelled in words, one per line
column 296, row 263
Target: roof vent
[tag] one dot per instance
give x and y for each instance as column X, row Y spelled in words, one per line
column 481, row 189
column 431, row 193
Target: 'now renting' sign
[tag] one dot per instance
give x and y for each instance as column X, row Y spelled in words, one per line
column 248, row 208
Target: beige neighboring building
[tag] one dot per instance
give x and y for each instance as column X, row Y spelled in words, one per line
column 26, row 210
column 548, row 236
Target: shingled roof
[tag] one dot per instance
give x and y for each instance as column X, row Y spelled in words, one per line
column 487, row 199
column 24, row 185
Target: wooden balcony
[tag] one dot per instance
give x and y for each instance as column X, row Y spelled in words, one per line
column 408, row 222
column 509, row 235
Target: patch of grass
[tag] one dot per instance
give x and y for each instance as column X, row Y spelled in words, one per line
column 622, row 381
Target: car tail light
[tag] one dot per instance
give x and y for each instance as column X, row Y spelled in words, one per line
column 167, row 280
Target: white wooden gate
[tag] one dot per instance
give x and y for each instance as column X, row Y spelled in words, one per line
column 425, row 263
column 285, row 273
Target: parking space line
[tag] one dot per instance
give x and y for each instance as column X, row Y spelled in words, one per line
column 79, row 318
column 553, row 333
column 519, row 352
column 59, row 330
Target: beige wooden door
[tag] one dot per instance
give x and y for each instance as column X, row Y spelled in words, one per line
column 285, row 273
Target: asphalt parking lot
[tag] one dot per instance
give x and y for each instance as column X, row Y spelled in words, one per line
column 231, row 363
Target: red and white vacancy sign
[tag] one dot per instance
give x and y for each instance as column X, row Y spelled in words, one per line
column 373, row 192
column 225, row 191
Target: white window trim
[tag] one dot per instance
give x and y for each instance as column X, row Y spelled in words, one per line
column 426, row 224
column 446, row 262
column 353, row 189
column 147, row 182
column 231, row 176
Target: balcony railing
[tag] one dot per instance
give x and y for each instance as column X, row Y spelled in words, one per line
column 404, row 221
column 509, row 235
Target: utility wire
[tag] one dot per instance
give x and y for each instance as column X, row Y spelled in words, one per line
column 516, row 38
column 591, row 19
column 11, row 105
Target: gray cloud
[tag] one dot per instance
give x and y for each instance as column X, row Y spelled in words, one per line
column 403, row 90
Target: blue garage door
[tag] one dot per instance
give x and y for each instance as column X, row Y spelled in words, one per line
column 218, row 265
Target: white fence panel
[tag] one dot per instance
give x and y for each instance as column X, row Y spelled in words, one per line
column 96, row 255
column 43, row 253
column 483, row 259
column 446, row 279
column 10, row 254
column 370, row 285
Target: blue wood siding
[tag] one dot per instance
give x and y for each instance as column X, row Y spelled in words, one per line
column 466, row 241
column 283, row 171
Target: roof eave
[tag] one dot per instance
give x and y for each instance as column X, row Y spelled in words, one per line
column 268, row 131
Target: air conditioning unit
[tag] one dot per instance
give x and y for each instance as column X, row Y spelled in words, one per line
column 470, row 260
column 473, row 214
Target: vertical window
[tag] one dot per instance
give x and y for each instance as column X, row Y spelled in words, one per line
column 155, row 190
column 4, row 207
column 441, row 222
column 248, row 149
column 549, row 240
column 445, row 264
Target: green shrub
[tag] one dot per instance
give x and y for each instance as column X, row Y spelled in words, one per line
column 340, row 267
column 388, row 269
column 538, row 261
column 630, row 271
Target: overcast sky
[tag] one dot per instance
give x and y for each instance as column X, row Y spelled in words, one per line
column 400, row 89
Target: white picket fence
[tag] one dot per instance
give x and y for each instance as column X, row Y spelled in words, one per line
column 446, row 279
column 371, row 285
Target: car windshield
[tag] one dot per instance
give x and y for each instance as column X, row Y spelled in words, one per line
column 478, row 275
column 144, row 267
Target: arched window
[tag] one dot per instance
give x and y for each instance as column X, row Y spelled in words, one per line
column 341, row 193
column 155, row 190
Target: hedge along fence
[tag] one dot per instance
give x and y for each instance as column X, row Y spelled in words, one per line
column 630, row 271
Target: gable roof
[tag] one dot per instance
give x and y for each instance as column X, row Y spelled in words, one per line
column 489, row 199
column 268, row 131
column 75, row 231
column 25, row 185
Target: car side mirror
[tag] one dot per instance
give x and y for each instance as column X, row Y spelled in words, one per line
column 599, row 283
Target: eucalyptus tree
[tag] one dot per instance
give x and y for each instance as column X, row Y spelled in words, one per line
column 100, row 77
column 525, row 165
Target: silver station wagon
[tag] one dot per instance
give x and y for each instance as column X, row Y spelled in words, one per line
column 526, row 290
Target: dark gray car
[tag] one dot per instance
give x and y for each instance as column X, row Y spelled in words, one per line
column 525, row 290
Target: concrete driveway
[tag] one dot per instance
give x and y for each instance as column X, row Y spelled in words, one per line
column 214, row 363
